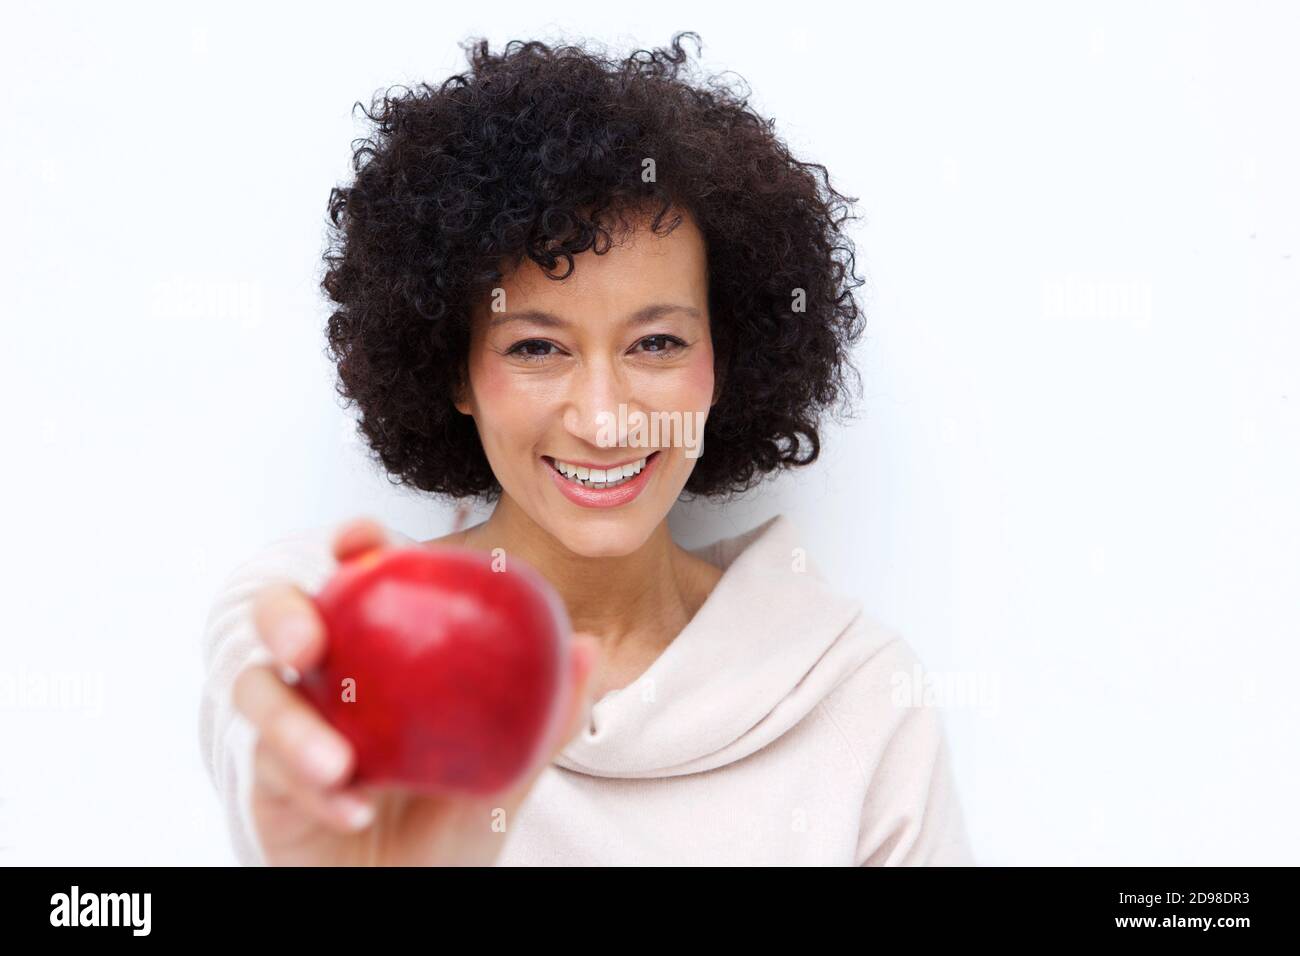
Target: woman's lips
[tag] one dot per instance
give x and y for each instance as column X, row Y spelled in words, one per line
column 604, row 497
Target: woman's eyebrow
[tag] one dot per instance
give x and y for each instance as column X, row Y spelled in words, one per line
column 641, row 316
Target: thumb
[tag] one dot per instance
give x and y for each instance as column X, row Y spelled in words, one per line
column 584, row 656
column 356, row 537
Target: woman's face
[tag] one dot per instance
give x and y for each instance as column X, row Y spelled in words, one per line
column 609, row 366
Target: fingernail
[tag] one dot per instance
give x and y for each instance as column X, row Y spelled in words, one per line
column 358, row 813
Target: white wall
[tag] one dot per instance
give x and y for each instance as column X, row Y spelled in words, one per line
column 1072, row 484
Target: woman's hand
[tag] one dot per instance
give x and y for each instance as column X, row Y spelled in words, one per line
column 305, row 811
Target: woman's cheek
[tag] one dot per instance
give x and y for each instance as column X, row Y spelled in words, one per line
column 514, row 403
column 700, row 380
column 498, row 389
column 688, row 389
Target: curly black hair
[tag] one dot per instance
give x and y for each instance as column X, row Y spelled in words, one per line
column 537, row 152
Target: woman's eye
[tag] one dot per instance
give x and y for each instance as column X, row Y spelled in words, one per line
column 663, row 345
column 526, row 349
column 535, row 350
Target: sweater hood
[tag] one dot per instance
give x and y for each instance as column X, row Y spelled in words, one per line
column 771, row 640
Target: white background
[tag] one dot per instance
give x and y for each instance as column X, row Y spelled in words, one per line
column 1072, row 483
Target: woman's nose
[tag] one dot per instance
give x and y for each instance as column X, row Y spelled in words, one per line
column 592, row 406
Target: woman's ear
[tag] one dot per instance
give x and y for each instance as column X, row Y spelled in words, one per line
column 719, row 381
column 460, row 393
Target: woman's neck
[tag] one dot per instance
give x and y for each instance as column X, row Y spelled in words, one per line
column 636, row 604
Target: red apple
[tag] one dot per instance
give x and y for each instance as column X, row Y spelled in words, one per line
column 447, row 676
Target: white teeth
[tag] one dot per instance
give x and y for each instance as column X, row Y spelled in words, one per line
column 599, row 477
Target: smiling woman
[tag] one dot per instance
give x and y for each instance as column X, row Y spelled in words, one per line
column 626, row 333
column 554, row 277
column 475, row 193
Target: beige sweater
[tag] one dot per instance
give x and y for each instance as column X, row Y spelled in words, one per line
column 768, row 733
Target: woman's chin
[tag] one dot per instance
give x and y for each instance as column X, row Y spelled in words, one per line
column 606, row 538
